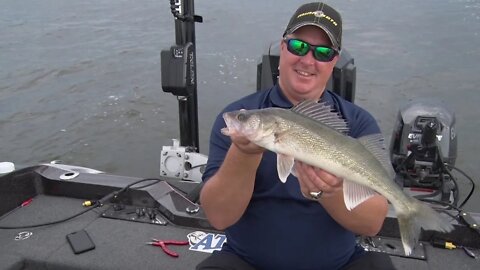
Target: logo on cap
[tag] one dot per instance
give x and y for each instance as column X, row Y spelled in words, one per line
column 318, row 13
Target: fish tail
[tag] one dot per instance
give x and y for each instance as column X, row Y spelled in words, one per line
column 419, row 215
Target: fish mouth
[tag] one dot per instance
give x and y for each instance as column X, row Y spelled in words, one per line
column 232, row 125
column 228, row 119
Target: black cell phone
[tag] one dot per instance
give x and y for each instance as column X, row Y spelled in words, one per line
column 80, row 241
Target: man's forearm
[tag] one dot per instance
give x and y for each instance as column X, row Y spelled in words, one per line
column 227, row 194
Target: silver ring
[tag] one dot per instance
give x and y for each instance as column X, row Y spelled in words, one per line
column 316, row 195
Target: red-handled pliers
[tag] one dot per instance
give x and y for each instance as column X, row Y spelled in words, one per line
column 163, row 244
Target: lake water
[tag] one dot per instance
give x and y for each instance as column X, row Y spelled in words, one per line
column 80, row 80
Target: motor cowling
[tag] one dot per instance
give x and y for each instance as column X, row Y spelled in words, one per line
column 424, row 139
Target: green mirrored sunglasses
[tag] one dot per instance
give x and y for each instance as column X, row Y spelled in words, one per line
column 299, row 47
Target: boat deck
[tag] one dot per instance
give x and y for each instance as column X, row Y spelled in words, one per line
column 120, row 244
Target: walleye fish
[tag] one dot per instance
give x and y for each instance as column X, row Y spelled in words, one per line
column 314, row 134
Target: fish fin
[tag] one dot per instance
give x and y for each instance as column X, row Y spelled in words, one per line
column 293, row 171
column 284, row 166
column 375, row 143
column 420, row 216
column 323, row 113
column 354, row 194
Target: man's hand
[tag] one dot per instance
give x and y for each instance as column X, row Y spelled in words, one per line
column 365, row 219
column 313, row 179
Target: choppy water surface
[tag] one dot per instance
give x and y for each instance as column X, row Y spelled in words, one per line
column 80, row 80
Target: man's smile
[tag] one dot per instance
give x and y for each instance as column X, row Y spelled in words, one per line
column 304, row 73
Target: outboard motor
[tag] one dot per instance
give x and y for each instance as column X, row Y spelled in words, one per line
column 423, row 147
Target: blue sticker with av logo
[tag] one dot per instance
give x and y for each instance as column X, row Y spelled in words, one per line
column 206, row 242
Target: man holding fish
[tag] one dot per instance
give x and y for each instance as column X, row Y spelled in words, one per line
column 331, row 153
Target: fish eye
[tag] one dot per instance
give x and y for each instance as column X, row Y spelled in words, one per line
column 242, row 116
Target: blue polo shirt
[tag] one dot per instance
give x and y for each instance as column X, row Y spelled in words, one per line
column 280, row 229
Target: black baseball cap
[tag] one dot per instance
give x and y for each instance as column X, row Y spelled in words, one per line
column 321, row 15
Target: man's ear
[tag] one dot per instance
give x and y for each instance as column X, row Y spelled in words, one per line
column 335, row 59
column 282, row 44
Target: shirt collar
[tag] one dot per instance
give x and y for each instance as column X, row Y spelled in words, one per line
column 278, row 99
